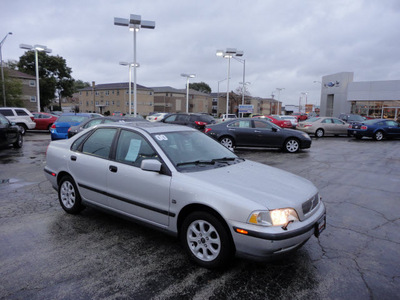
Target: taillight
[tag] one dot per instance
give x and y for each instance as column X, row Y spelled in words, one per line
column 307, row 125
column 200, row 123
column 350, row 126
column 155, row 118
column 207, row 130
column 364, row 127
column 53, row 126
column 33, row 119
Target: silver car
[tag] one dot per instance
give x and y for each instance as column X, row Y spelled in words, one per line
column 181, row 181
column 320, row 126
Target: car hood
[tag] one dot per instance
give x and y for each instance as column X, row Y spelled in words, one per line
column 265, row 185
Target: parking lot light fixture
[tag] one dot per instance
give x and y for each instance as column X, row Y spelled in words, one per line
column 134, row 23
column 36, row 48
column 130, row 65
column 2, row 73
column 228, row 53
column 188, row 76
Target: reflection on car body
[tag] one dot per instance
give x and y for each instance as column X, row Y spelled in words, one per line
column 181, row 181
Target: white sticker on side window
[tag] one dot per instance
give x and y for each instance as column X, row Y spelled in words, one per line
column 161, row 137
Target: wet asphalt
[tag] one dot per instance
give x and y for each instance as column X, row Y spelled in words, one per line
column 48, row 254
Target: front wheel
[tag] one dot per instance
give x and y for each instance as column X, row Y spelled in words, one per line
column 18, row 143
column 292, row 145
column 227, row 142
column 378, row 136
column 206, row 240
column 23, row 128
column 69, row 196
column 319, row 133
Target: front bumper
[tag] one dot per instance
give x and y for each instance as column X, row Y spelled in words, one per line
column 264, row 243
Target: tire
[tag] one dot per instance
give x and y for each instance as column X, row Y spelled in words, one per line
column 23, row 128
column 291, row 145
column 228, row 142
column 358, row 137
column 378, row 136
column 69, row 196
column 19, row 142
column 206, row 240
column 319, row 133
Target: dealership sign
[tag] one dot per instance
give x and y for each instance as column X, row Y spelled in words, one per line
column 246, row 109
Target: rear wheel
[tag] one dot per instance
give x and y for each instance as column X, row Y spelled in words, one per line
column 292, row 145
column 378, row 136
column 206, row 240
column 69, row 196
column 227, row 142
column 319, row 133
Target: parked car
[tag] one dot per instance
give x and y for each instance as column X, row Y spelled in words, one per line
column 300, row 116
column 157, row 117
column 96, row 121
column 277, row 121
column 253, row 132
column 292, row 120
column 117, row 113
column 178, row 180
column 10, row 133
column 43, row 120
column 226, row 117
column 352, row 118
column 378, row 129
column 197, row 121
column 59, row 130
column 20, row 116
column 320, row 126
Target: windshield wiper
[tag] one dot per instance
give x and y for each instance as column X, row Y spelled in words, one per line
column 196, row 162
column 224, row 159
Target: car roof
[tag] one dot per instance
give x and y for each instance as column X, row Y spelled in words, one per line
column 149, row 127
column 76, row 114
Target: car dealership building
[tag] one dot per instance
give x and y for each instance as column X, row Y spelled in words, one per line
column 377, row 99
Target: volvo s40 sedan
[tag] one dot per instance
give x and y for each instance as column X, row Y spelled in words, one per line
column 181, row 181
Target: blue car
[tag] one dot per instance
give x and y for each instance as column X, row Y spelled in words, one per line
column 377, row 129
column 59, row 130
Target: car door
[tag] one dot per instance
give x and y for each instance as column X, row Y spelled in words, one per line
column 8, row 133
column 328, row 126
column 266, row 134
column 339, row 126
column 133, row 191
column 392, row 128
column 89, row 166
column 243, row 132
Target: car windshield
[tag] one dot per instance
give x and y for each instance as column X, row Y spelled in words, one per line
column 193, row 151
column 314, row 119
column 71, row 119
column 355, row 118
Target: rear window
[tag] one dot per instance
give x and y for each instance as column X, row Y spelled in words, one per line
column 7, row 112
column 72, row 119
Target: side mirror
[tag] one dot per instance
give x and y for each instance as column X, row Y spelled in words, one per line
column 152, row 165
column 274, row 129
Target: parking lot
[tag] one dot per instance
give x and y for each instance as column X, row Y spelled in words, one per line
column 48, row 254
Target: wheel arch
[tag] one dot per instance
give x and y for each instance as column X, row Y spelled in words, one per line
column 61, row 175
column 187, row 210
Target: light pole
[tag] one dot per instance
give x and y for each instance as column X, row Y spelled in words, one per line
column 134, row 23
column 1, row 62
column 130, row 65
column 279, row 96
column 187, row 88
column 228, row 53
column 36, row 48
column 243, row 61
column 305, row 93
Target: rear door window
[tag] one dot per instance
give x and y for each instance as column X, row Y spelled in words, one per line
column 21, row 112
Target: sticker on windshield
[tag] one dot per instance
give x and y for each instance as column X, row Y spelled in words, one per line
column 161, row 137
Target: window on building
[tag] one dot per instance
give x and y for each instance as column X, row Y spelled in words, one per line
column 32, row 83
column 33, row 99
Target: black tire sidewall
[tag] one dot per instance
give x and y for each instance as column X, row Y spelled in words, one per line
column 77, row 207
column 19, row 142
column 226, row 252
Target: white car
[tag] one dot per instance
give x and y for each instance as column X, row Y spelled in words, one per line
column 157, row 117
column 292, row 119
column 20, row 116
column 183, row 182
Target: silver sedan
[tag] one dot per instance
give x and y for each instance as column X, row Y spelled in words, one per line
column 320, row 126
column 183, row 182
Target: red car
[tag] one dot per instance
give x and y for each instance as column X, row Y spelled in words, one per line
column 43, row 120
column 277, row 121
column 300, row 116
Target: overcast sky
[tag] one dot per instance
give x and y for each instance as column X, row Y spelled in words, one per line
column 287, row 44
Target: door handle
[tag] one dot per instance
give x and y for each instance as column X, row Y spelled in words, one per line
column 73, row 158
column 113, row 169
column 257, row 131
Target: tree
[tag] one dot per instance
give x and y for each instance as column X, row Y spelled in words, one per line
column 13, row 89
column 54, row 75
column 79, row 84
column 200, row 86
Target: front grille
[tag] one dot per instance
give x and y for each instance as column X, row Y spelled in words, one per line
column 310, row 204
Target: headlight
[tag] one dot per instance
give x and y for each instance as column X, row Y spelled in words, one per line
column 276, row 217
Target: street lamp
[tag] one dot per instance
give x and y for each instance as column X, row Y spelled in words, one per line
column 36, row 48
column 130, row 65
column 134, row 23
column 187, row 88
column 243, row 61
column 228, row 53
column 279, row 97
column 305, row 93
column 1, row 62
